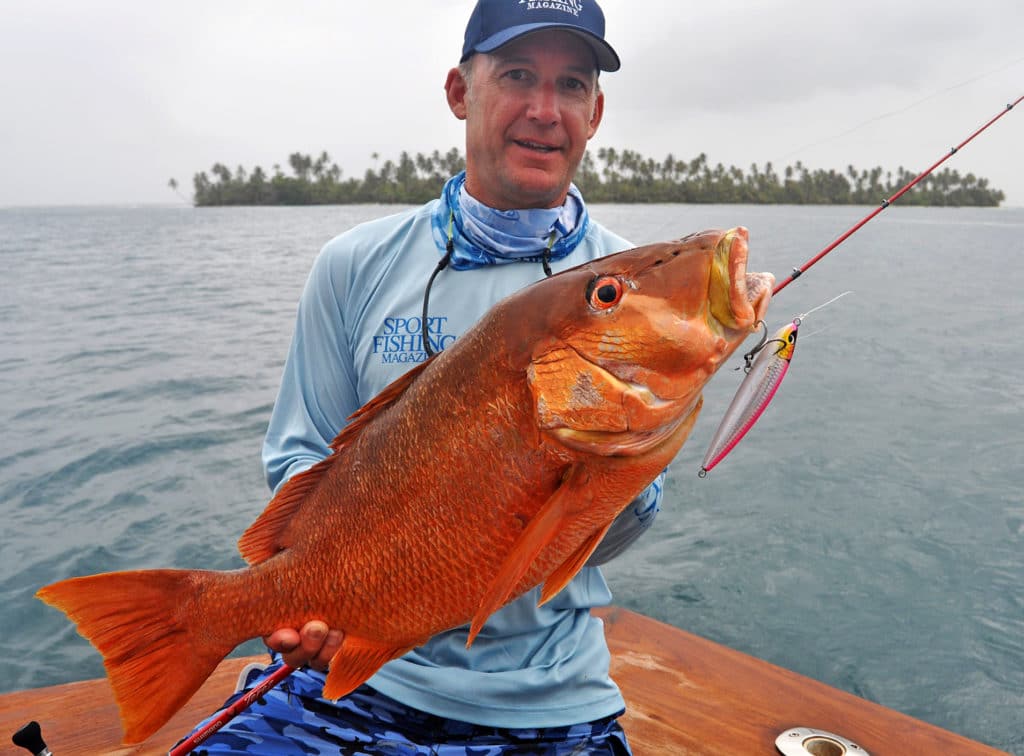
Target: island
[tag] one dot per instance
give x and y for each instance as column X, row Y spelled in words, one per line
column 611, row 175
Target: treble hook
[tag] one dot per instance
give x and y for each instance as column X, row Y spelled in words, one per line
column 748, row 358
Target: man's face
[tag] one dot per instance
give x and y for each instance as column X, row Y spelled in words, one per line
column 529, row 109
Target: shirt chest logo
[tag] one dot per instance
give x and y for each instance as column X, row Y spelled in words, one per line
column 400, row 339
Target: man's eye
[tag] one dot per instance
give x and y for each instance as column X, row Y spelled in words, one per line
column 576, row 86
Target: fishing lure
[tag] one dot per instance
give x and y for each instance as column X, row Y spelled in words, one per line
column 766, row 366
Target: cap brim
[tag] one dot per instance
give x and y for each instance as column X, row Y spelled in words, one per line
column 606, row 58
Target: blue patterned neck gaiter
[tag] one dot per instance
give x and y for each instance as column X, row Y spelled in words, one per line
column 484, row 236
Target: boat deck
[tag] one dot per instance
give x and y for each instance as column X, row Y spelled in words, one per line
column 685, row 695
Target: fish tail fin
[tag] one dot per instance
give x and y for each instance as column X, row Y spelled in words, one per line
column 147, row 627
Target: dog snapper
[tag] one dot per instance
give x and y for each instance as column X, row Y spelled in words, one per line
column 496, row 466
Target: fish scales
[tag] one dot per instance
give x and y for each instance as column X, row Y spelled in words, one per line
column 496, row 466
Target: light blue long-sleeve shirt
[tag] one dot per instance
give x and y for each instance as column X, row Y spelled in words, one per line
column 358, row 328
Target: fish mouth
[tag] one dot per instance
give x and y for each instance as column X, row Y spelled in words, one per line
column 737, row 299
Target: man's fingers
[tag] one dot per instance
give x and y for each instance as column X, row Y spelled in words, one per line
column 330, row 647
column 314, row 645
column 283, row 641
column 311, row 640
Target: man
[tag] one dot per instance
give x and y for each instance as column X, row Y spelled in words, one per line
column 385, row 295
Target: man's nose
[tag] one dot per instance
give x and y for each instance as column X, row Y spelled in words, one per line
column 544, row 106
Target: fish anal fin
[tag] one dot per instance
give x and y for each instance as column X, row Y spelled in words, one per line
column 265, row 537
column 570, row 392
column 355, row 663
column 538, row 533
column 560, row 578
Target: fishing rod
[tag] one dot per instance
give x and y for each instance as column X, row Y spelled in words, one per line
column 228, row 713
column 765, row 367
column 797, row 272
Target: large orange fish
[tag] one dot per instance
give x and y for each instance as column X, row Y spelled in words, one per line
column 494, row 467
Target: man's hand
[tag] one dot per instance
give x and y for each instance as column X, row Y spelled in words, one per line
column 314, row 645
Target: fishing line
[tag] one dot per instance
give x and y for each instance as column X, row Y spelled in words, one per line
column 797, row 272
column 823, row 304
column 806, row 336
column 911, row 106
column 748, row 358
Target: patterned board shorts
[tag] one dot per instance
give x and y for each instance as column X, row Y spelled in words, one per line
column 368, row 723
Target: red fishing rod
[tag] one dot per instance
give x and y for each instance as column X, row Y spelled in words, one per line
column 797, row 272
column 228, row 713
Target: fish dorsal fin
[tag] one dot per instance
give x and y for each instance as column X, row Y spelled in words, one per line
column 560, row 578
column 388, row 395
column 538, row 533
column 266, row 536
column 355, row 662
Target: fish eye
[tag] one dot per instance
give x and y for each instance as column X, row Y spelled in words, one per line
column 604, row 292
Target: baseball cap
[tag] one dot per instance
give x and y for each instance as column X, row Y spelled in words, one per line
column 494, row 23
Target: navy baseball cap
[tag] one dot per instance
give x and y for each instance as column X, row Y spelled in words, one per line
column 497, row 22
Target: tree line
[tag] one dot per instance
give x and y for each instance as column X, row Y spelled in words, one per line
column 609, row 176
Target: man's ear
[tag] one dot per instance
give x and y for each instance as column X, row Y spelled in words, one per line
column 455, row 88
column 595, row 120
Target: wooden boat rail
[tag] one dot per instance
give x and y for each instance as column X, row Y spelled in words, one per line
column 685, row 696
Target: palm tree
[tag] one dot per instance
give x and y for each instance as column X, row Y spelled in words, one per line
column 172, row 183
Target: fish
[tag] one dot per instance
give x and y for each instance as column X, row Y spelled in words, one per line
column 493, row 467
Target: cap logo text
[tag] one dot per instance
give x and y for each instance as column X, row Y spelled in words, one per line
column 575, row 7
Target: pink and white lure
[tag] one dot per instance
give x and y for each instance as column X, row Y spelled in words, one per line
column 766, row 366
column 764, row 375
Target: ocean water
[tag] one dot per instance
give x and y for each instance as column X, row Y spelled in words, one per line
column 868, row 533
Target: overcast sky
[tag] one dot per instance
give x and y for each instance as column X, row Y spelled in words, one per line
column 104, row 101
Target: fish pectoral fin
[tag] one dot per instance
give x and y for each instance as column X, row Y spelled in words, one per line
column 534, row 538
column 570, row 392
column 355, row 663
column 560, row 578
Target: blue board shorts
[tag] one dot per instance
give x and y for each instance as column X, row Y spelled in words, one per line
column 291, row 719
